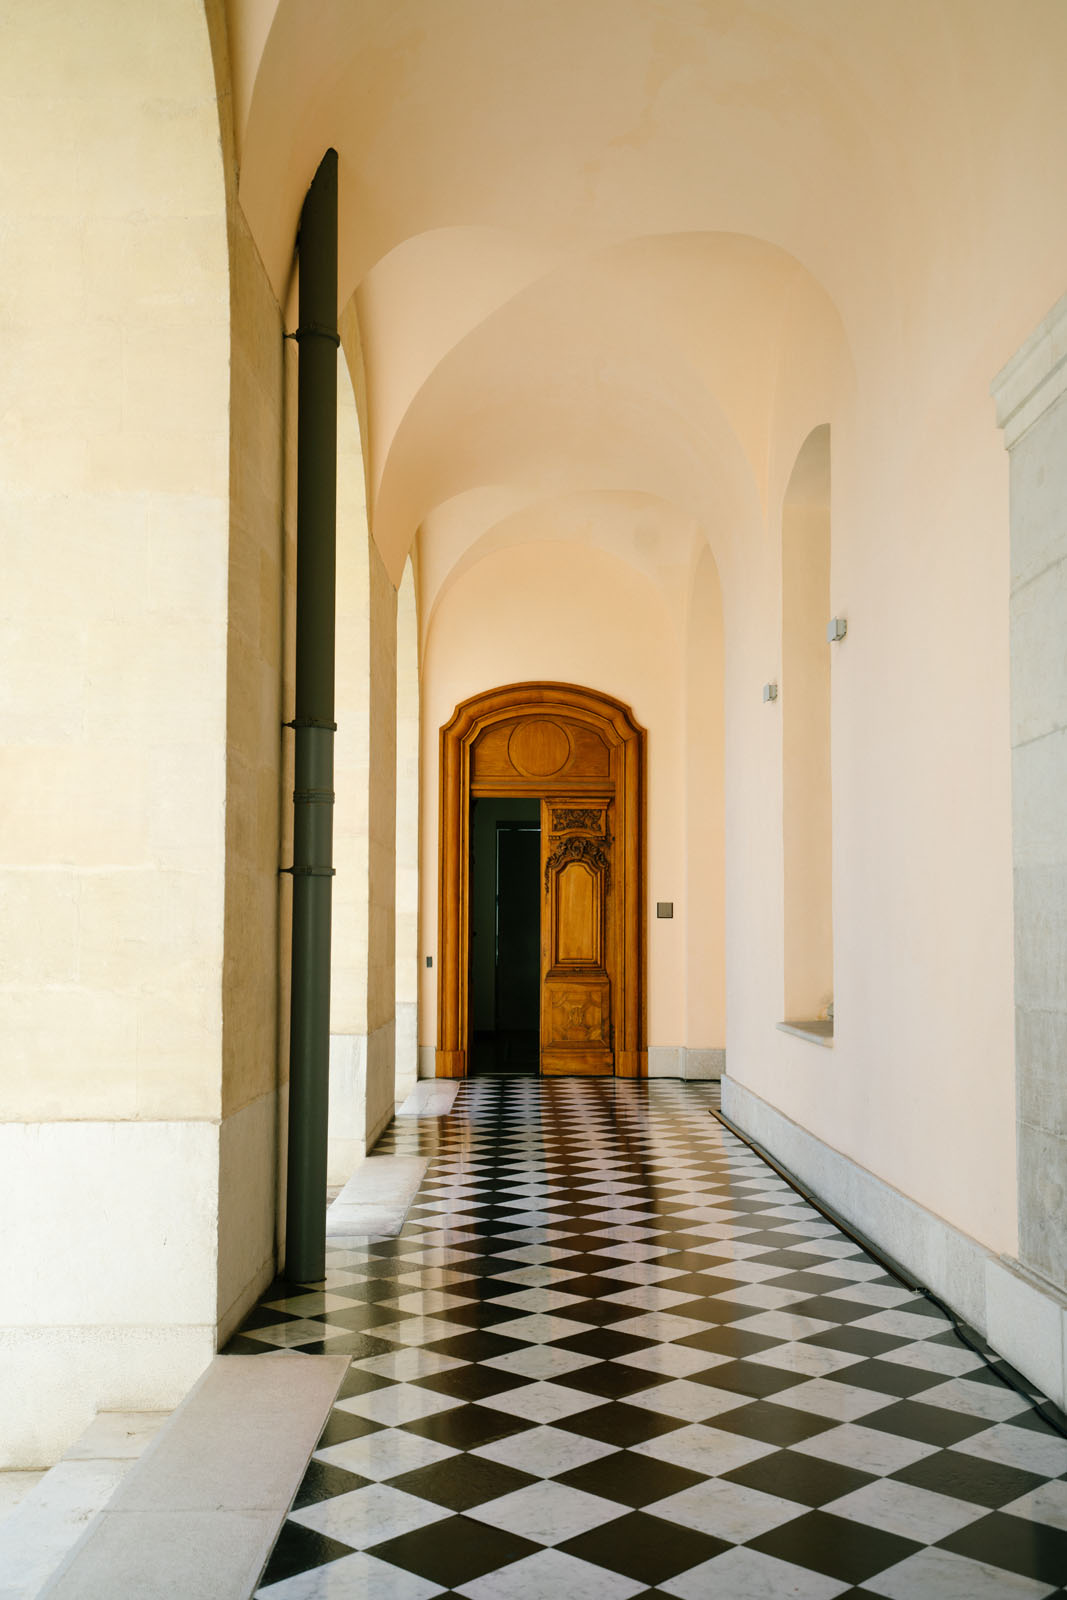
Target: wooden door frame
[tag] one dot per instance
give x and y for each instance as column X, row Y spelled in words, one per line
column 625, row 738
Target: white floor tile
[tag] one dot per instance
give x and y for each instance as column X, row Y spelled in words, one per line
column 369, row 1515
column 783, row 1325
column 400, row 1402
column 693, row 1401
column 551, row 1575
column 1046, row 1504
column 940, row 1575
column 727, row 1510
column 541, row 1328
column 902, row 1508
column 823, row 1397
column 402, row 1366
column 547, row 1512
column 1045, row 1453
column 541, row 1361
column 953, row 1362
column 677, row 1359
column 865, row 1449
column 385, row 1454
column 812, row 1359
column 658, row 1325
column 749, row 1575
column 703, row 1449
column 995, row 1401
column 543, row 1402
column 545, row 1451
column 904, row 1324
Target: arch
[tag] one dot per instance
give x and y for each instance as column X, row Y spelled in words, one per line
column 806, row 782
column 524, row 706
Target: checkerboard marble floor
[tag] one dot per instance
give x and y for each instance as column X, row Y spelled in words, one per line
column 613, row 1354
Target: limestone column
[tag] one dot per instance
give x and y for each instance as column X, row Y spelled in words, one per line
column 362, row 998
column 1031, row 397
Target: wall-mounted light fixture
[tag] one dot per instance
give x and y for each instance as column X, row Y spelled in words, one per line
column 836, row 629
column 770, row 691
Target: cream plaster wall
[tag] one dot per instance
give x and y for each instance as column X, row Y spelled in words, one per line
column 248, row 1136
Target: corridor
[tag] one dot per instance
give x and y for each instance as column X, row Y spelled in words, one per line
column 611, row 1353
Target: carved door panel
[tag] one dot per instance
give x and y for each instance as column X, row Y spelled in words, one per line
column 577, row 961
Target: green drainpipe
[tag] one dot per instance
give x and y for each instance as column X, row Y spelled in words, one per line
column 312, row 869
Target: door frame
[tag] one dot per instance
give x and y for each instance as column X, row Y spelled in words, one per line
column 625, row 739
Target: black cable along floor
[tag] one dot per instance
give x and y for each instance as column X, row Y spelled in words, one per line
column 613, row 1354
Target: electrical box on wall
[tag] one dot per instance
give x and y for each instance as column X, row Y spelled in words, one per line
column 665, row 908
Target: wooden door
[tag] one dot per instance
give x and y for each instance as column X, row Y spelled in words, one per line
column 577, row 959
column 581, row 754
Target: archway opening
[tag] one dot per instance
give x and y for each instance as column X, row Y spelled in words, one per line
column 567, row 762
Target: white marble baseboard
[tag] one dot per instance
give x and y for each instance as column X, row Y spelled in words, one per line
column 685, row 1061
column 1024, row 1320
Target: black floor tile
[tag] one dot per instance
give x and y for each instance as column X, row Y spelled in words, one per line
column 987, row 1483
column 751, row 1378
column 803, row 1478
column 324, row 1482
column 781, row 1425
column 728, row 1341
column 468, row 1426
column 472, row 1382
column 342, row 1426
column 633, row 1480
column 462, row 1482
column 645, row 1548
column 856, row 1341
column 298, row 1548
column 910, row 1419
column 1032, row 1549
column 604, row 1343
column 619, row 1424
column 889, row 1377
column 476, row 1345
column 359, row 1382
column 454, row 1551
column 850, row 1551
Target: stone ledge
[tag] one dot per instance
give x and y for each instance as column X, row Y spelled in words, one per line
column 818, row 1031
column 195, row 1518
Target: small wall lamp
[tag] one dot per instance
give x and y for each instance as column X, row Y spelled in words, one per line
column 836, row 629
column 770, row 691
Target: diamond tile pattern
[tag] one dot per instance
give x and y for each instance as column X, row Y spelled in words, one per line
column 611, row 1353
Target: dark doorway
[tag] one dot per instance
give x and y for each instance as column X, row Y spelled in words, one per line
column 505, row 936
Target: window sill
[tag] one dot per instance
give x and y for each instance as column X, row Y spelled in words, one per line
column 818, row 1032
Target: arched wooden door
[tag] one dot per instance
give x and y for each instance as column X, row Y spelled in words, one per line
column 581, row 754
